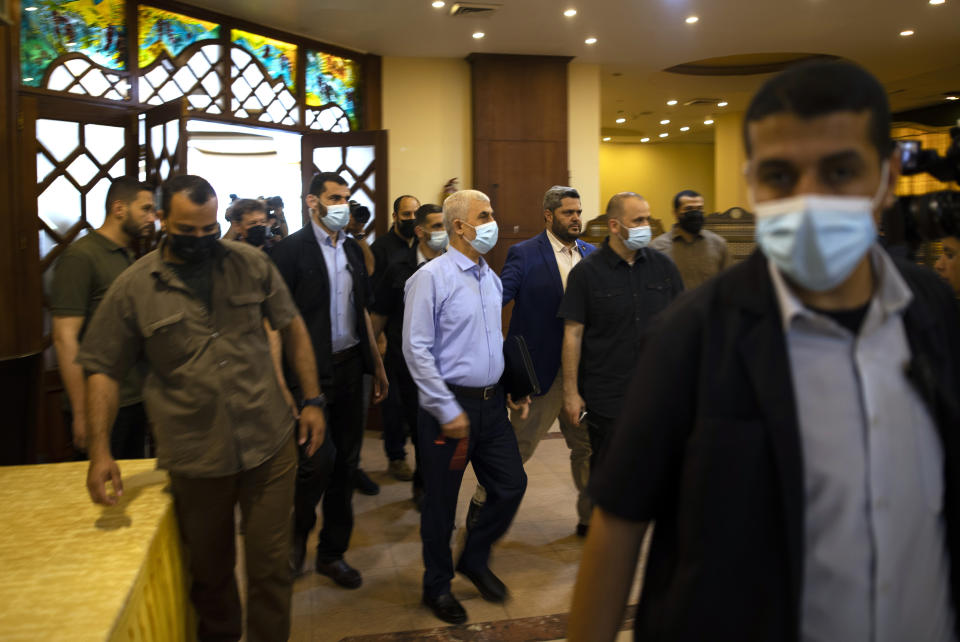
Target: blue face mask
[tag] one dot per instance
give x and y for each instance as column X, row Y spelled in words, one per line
column 437, row 241
column 337, row 217
column 487, row 235
column 637, row 238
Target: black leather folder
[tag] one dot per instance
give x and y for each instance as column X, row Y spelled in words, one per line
column 519, row 378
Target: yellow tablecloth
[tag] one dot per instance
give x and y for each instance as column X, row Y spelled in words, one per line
column 72, row 570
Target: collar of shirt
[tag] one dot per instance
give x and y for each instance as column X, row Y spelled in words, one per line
column 322, row 237
column 163, row 270
column 892, row 293
column 675, row 234
column 106, row 243
column 558, row 245
column 613, row 259
column 464, row 263
column 421, row 259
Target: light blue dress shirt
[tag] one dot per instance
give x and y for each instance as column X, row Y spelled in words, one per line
column 875, row 566
column 451, row 330
column 343, row 316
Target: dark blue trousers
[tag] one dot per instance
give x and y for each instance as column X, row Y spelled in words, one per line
column 492, row 449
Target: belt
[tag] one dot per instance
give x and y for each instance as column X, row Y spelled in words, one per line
column 345, row 355
column 484, row 394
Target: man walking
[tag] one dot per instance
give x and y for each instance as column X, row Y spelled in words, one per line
column 699, row 254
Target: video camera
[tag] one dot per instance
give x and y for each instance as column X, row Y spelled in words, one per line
column 927, row 217
column 360, row 213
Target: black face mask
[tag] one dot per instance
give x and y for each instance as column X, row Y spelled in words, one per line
column 256, row 235
column 692, row 221
column 193, row 249
column 405, row 228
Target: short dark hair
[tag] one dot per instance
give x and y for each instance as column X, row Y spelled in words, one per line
column 198, row 191
column 689, row 193
column 816, row 89
column 319, row 182
column 553, row 198
column 125, row 189
column 399, row 200
column 426, row 210
column 615, row 204
column 243, row 206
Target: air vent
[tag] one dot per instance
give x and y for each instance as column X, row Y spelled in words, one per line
column 703, row 101
column 472, row 9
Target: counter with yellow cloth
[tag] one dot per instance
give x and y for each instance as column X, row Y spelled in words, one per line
column 73, row 570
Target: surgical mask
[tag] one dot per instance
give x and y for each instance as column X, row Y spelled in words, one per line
column 437, row 241
column 692, row 221
column 406, row 228
column 637, row 237
column 486, row 237
column 256, row 235
column 193, row 249
column 818, row 240
column 337, row 217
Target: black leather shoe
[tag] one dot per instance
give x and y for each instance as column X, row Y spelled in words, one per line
column 446, row 607
column 298, row 553
column 582, row 530
column 365, row 485
column 490, row 587
column 341, row 573
column 473, row 515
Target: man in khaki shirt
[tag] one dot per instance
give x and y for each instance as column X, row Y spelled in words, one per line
column 194, row 310
column 699, row 254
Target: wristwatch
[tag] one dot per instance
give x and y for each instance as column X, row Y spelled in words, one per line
column 319, row 401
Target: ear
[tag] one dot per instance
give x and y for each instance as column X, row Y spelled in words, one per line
column 894, row 175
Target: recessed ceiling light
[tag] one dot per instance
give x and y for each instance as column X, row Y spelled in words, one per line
column 606, row 139
column 722, row 103
column 479, row 34
column 34, row 8
column 953, row 97
column 621, row 120
column 671, row 102
column 709, row 121
column 664, row 135
column 31, row 80
column 645, row 140
column 937, row 1
column 570, row 13
column 665, row 121
column 684, row 129
column 692, row 19
column 438, row 4
column 907, row 32
column 591, row 41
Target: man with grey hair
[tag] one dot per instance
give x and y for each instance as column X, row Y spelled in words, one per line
column 453, row 347
column 610, row 299
column 534, row 277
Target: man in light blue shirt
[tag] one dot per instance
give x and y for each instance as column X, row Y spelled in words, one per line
column 453, row 345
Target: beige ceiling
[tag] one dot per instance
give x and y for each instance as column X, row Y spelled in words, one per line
column 639, row 38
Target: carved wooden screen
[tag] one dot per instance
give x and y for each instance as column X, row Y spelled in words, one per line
column 165, row 142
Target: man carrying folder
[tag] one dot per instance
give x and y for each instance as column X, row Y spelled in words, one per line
column 453, row 346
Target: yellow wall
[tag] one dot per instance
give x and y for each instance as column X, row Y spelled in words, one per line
column 728, row 174
column 657, row 172
column 426, row 108
column 583, row 135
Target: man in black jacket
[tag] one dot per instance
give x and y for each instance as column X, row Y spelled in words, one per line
column 803, row 475
column 325, row 272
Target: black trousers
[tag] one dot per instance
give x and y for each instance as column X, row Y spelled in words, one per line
column 316, row 478
column 403, row 411
column 493, row 451
column 599, row 429
column 129, row 436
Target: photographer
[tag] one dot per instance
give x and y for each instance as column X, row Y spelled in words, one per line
column 948, row 265
column 248, row 222
column 277, row 222
column 357, row 228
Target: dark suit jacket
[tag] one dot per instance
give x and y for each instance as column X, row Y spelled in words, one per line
column 300, row 261
column 531, row 279
column 708, row 446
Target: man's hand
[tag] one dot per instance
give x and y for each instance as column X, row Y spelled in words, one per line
column 380, row 385
column 523, row 406
column 573, row 407
column 102, row 469
column 79, row 432
column 313, row 426
column 458, row 428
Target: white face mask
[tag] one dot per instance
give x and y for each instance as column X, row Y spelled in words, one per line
column 337, row 217
column 818, row 240
column 437, row 241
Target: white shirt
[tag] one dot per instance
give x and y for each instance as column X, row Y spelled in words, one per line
column 566, row 257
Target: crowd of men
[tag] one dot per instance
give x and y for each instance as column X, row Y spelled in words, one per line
column 787, row 423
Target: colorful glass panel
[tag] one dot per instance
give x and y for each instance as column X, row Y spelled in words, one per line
column 52, row 28
column 332, row 79
column 280, row 58
column 168, row 32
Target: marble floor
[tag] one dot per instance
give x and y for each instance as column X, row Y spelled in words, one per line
column 537, row 559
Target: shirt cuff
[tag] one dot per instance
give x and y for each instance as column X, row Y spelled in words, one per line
column 447, row 412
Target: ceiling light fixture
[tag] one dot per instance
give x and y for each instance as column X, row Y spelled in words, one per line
column 953, row 97
column 907, row 32
column 645, row 140
column 665, row 121
column 31, row 80
column 479, row 34
column 438, row 4
column 621, row 120
column 591, row 41
column 722, row 103
column 709, row 121
column 69, row 44
column 34, row 8
column 693, row 20
column 671, row 102
column 684, row 129
column 937, row 1
column 664, row 135
column 570, row 13
column 606, row 139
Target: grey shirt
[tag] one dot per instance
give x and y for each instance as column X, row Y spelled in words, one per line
column 875, row 561
column 698, row 260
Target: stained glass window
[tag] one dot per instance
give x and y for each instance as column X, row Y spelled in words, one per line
column 332, row 81
column 279, row 58
column 95, row 29
column 170, row 33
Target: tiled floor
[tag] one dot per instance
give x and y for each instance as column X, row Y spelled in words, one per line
column 537, row 559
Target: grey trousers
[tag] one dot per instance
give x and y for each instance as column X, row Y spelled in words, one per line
column 543, row 411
